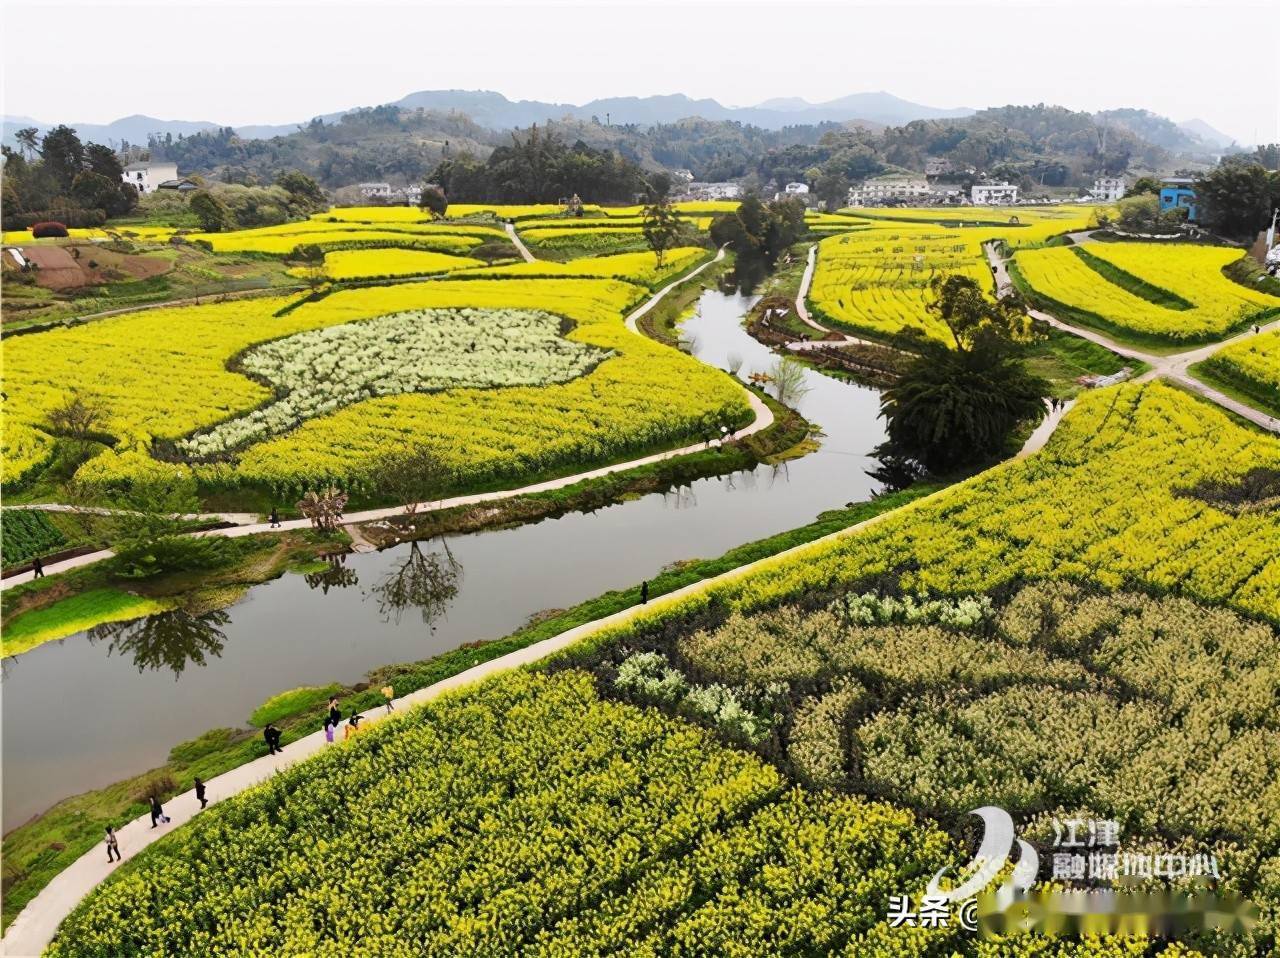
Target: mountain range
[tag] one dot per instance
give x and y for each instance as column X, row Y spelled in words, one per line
column 497, row 112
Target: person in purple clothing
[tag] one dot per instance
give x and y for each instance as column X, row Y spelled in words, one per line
column 328, row 731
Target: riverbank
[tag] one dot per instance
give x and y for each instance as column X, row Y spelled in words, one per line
column 33, row 853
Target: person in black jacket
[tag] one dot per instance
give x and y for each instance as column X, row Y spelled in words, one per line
column 200, row 792
column 157, row 812
column 271, row 735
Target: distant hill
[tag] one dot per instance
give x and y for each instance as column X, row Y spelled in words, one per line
column 1164, row 133
column 1204, row 131
column 494, row 111
column 130, row 129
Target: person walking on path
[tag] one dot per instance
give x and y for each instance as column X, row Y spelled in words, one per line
column 644, row 592
column 37, row 568
column 353, row 726
column 335, row 714
column 157, row 812
column 329, row 728
column 200, row 792
column 113, row 846
column 275, row 518
column 389, row 693
column 271, row 735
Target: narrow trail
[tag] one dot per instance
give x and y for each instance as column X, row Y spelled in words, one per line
column 527, row 256
column 802, row 310
column 1172, row 366
column 251, row 525
column 36, row 925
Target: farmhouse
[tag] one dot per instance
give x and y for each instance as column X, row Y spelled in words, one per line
column 1108, row 189
column 147, row 177
column 993, row 194
column 892, row 189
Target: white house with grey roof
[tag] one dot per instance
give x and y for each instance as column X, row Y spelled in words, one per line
column 147, row 177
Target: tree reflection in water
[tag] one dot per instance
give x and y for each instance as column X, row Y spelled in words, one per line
column 166, row 640
column 426, row 581
column 337, row 575
column 895, row 469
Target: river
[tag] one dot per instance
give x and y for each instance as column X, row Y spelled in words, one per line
column 87, row 711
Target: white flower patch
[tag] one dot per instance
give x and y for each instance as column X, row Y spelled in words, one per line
column 422, row 350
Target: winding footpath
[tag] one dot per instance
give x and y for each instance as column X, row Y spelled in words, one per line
column 248, row 525
column 1172, row 366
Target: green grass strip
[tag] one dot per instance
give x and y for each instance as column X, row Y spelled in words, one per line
column 1131, row 283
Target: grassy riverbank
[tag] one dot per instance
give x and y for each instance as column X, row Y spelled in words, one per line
column 35, row 852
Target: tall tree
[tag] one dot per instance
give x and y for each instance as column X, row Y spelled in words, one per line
column 213, row 214
column 662, row 228
column 28, row 141
column 957, row 404
column 1236, row 198
column 63, row 156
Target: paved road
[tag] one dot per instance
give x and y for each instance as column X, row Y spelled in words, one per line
column 802, row 310
column 763, row 419
column 519, row 244
column 1172, row 366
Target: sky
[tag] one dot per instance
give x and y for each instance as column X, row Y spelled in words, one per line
column 282, row 61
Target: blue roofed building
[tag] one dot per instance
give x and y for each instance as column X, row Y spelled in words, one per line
column 1179, row 193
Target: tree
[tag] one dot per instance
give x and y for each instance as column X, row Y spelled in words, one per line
column 304, row 192
column 28, row 141
column 94, row 191
column 1142, row 214
column 974, row 321
column 313, row 269
column 955, row 407
column 662, row 228
column 788, row 375
column 958, row 405
column 324, row 507
column 1143, row 186
column 213, row 214
column 1236, row 198
column 433, row 201
column 412, row 475
column 63, row 155
column 103, row 161
column 77, row 417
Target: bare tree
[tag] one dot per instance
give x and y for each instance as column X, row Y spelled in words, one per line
column 788, row 377
column 77, row 417
column 324, row 507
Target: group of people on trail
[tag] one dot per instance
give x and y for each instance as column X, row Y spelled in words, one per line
column 271, row 735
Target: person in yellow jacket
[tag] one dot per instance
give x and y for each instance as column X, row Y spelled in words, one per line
column 353, row 726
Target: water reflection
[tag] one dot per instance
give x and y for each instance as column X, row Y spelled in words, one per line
column 166, row 640
column 336, row 575
column 895, row 470
column 426, row 581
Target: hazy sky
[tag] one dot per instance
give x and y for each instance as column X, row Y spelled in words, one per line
column 280, row 61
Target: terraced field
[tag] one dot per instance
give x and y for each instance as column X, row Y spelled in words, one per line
column 1161, row 293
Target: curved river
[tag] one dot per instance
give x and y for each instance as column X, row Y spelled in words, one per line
column 90, row 710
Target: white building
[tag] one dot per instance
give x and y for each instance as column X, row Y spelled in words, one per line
column 796, row 189
column 147, row 177
column 375, row 191
column 1108, row 189
column 711, row 191
column 682, row 176
column 896, row 189
column 993, row 194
